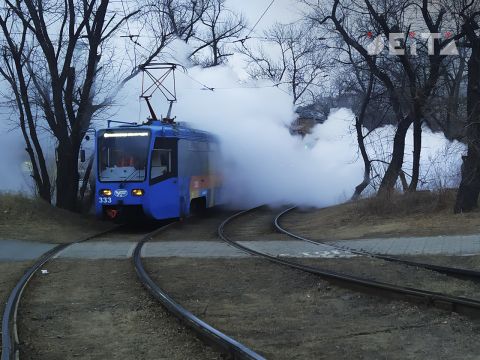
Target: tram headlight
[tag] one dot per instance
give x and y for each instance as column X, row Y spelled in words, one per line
column 105, row 192
column 138, row 192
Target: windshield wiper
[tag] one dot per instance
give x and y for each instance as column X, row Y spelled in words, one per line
column 122, row 183
column 128, row 177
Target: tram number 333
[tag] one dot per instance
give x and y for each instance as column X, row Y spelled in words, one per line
column 105, row 200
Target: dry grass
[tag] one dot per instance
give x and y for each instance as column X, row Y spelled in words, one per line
column 33, row 219
column 400, row 205
column 417, row 214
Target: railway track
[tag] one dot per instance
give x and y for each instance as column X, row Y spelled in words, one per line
column 230, row 347
column 451, row 271
column 210, row 335
column 458, row 304
column 10, row 338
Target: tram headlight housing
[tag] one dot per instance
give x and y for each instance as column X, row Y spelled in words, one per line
column 105, row 192
column 138, row 192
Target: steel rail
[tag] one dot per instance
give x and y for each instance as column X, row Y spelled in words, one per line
column 206, row 332
column 452, row 271
column 454, row 303
column 10, row 339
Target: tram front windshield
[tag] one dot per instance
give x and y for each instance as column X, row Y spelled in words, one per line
column 122, row 156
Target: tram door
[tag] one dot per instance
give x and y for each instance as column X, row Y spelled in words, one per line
column 164, row 178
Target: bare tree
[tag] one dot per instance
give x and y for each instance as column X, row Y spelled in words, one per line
column 359, row 121
column 293, row 55
column 469, row 190
column 184, row 15
column 213, row 39
column 358, row 89
column 408, row 79
column 58, row 58
column 448, row 112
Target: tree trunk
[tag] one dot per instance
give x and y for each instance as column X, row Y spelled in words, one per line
column 361, row 142
column 403, row 180
column 417, row 150
column 391, row 175
column 469, row 190
column 367, row 163
column 67, row 176
column 454, row 101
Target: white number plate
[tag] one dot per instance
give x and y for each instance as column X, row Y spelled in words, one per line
column 105, row 200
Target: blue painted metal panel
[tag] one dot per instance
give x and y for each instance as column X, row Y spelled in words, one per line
column 163, row 200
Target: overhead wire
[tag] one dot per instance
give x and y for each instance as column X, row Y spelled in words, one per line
column 212, row 88
column 255, row 25
column 260, row 18
column 130, row 36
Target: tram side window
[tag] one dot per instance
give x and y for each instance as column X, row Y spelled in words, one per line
column 161, row 163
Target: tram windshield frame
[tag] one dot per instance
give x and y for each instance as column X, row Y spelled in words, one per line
column 123, row 155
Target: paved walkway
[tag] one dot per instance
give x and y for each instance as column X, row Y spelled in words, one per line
column 16, row 250
column 19, row 250
column 22, row 250
column 198, row 249
column 436, row 245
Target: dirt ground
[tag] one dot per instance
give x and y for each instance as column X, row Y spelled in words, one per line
column 286, row 314
column 99, row 310
column 10, row 273
column 35, row 220
column 202, row 228
column 471, row 262
column 398, row 274
column 423, row 214
column 256, row 225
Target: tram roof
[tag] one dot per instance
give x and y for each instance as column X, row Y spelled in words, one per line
column 160, row 128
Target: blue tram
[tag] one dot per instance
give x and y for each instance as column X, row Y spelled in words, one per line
column 162, row 170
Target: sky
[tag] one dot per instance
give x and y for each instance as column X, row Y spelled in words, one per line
column 282, row 11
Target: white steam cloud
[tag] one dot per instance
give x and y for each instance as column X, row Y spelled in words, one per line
column 264, row 162
column 14, row 175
